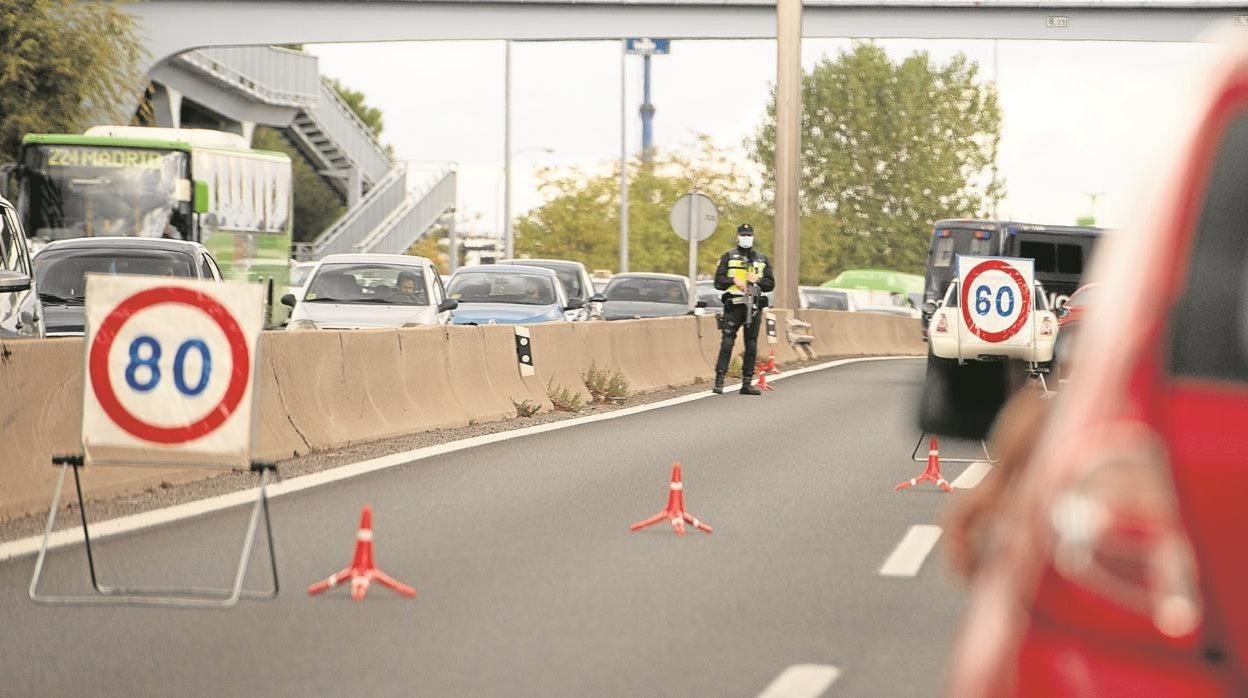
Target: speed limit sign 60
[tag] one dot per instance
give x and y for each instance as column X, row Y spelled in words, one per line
column 995, row 295
column 170, row 370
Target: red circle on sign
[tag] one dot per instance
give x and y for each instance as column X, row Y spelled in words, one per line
column 1024, row 293
column 102, row 344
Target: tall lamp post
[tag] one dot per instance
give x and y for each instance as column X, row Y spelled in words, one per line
column 504, row 182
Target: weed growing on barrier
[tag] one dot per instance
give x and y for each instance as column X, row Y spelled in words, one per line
column 563, row 399
column 528, row 408
column 734, row 367
column 606, row 386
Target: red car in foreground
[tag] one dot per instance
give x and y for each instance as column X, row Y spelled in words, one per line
column 1069, row 317
column 1120, row 564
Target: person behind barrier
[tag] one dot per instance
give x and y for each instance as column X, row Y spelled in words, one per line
column 740, row 269
column 407, row 286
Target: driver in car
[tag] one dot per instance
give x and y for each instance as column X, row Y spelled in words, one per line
column 407, row 286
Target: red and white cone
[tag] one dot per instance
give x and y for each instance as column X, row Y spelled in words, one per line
column 931, row 473
column 362, row 571
column 765, row 367
column 675, row 511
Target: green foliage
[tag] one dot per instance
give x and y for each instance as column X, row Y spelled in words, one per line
column 563, row 399
column 734, row 367
column 430, row 246
column 528, row 408
column 316, row 203
column 605, row 385
column 371, row 116
column 63, row 65
column 887, row 148
column 580, row 219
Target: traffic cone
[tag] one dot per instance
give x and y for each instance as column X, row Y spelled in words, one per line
column 771, row 366
column 675, row 511
column 362, row 571
column 762, row 378
column 763, row 368
column 931, row 473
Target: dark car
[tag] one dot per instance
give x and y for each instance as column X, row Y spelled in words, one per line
column 504, row 294
column 640, row 295
column 19, row 305
column 61, row 268
column 573, row 275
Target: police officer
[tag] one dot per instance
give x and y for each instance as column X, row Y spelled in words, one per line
column 738, row 269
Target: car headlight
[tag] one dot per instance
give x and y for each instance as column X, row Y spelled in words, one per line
column 301, row 325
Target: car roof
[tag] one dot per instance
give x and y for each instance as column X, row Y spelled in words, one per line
column 355, row 258
column 506, row 269
column 124, row 242
column 529, row 262
column 649, row 275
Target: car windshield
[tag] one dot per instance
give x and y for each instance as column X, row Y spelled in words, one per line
column 60, row 275
column 1086, row 296
column 502, row 287
column 647, row 290
column 823, row 299
column 569, row 277
column 375, row 283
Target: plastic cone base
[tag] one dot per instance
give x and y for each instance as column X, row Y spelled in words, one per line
column 675, row 510
column 931, row 473
column 362, row 572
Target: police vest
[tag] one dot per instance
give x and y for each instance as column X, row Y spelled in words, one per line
column 739, row 265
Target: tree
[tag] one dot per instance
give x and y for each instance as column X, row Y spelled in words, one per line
column 580, row 219
column 61, row 64
column 371, row 116
column 887, row 148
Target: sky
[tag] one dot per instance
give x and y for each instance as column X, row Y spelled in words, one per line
column 1078, row 117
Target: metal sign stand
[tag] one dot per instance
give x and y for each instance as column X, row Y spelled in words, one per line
column 177, row 597
column 914, row 456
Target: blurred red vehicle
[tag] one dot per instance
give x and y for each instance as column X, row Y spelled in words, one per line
column 1069, row 317
column 1120, row 563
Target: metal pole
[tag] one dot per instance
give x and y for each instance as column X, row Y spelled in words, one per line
column 508, row 242
column 694, row 217
column 623, row 159
column 452, row 244
column 788, row 147
column 647, row 113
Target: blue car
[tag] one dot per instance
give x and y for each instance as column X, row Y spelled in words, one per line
column 501, row 294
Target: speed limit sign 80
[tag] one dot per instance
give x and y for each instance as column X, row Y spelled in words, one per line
column 995, row 296
column 170, row 371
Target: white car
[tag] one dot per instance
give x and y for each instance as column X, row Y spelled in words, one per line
column 362, row 291
column 950, row 338
column 299, row 273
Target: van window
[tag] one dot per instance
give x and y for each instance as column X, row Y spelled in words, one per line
column 1045, row 254
column 942, row 252
column 1216, row 295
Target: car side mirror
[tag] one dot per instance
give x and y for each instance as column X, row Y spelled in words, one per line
column 448, row 305
column 199, row 196
column 28, row 317
column 598, row 298
column 575, row 304
column 1062, row 311
column 13, row 281
column 288, row 300
column 929, row 307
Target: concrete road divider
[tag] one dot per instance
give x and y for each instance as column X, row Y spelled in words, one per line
column 555, row 356
column 504, row 371
column 470, row 383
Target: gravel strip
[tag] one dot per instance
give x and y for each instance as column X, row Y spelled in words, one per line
column 166, row 495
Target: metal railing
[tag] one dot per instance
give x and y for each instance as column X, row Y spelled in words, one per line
column 271, row 75
column 419, row 212
column 339, row 123
column 357, row 223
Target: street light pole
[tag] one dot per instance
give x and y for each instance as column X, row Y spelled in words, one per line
column 788, row 147
column 623, row 158
column 504, row 174
column 508, row 241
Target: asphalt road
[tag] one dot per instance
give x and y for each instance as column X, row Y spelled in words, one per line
column 529, row 581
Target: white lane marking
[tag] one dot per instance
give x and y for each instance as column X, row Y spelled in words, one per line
column 972, row 476
column 157, row 517
column 801, row 681
column 910, row 553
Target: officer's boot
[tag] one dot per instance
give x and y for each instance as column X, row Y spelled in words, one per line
column 719, row 383
column 747, row 389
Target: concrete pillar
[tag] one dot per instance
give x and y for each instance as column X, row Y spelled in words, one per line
column 788, row 148
column 167, row 107
column 355, row 186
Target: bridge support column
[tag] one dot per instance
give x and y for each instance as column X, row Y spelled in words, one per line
column 167, row 106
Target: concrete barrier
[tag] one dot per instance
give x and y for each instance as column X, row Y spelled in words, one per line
column 326, row 390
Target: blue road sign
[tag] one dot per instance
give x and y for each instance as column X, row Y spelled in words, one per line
column 648, row 47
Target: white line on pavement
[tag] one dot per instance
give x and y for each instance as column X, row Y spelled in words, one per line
column 156, row 517
column 801, row 681
column 910, row 553
column 972, row 475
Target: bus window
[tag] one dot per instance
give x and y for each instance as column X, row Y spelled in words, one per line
column 1044, row 253
column 981, row 247
column 942, row 252
column 1070, row 259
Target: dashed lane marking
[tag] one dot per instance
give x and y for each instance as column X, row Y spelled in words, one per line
column 908, row 556
column 971, row 477
column 801, row 681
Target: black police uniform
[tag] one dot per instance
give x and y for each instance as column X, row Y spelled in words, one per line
column 735, row 264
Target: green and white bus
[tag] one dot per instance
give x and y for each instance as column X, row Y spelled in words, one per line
column 189, row 184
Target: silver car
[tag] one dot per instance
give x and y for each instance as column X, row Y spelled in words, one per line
column 361, row 291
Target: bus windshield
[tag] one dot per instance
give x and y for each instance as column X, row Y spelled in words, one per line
column 73, row 191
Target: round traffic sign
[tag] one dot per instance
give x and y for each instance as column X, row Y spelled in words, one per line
column 694, row 213
column 998, row 307
column 98, row 360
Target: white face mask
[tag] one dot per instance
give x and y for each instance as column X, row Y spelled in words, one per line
column 745, row 242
